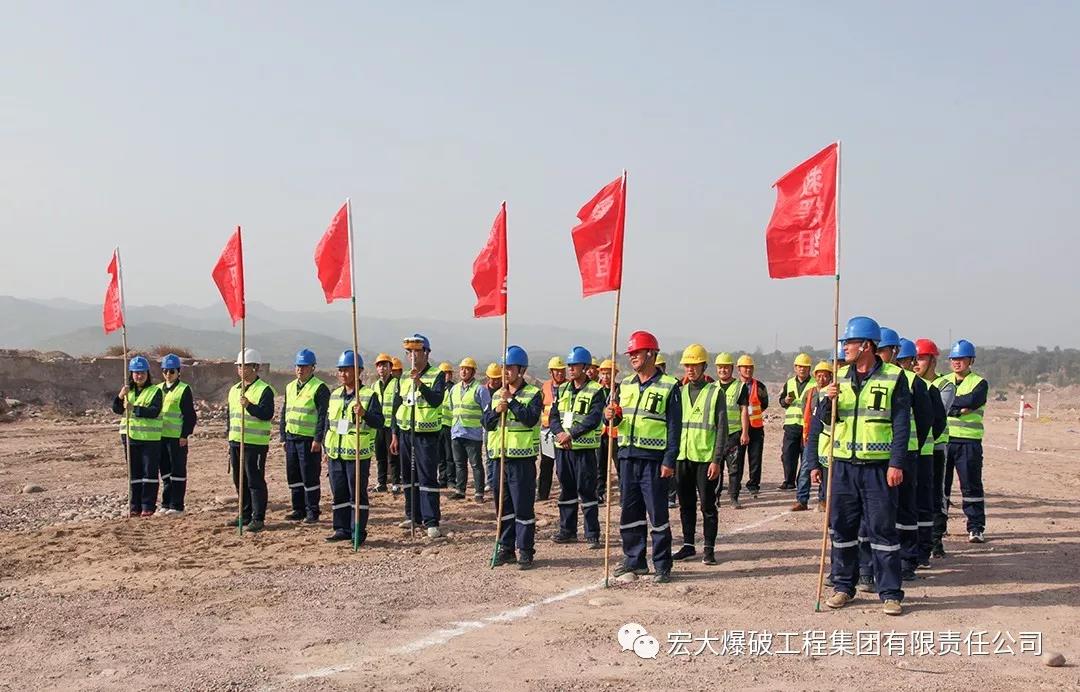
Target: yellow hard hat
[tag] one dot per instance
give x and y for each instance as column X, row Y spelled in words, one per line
column 803, row 359
column 494, row 371
column 395, row 364
column 660, row 359
column 556, row 363
column 467, row 362
column 724, row 359
column 607, row 364
column 595, row 363
column 745, row 361
column 383, row 358
column 823, row 366
column 445, row 367
column 695, row 354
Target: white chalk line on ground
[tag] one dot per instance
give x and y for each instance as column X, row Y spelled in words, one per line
column 456, row 629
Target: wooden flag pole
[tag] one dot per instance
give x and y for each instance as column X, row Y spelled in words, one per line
column 832, row 418
column 356, row 387
column 243, row 413
column 502, row 449
column 123, row 367
column 414, row 484
column 610, row 442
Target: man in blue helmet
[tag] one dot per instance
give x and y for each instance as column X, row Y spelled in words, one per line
column 302, row 428
column 965, row 452
column 576, row 419
column 870, row 444
column 178, row 420
column 515, row 446
column 417, row 436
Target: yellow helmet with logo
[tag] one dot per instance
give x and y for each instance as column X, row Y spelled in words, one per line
column 556, row 363
column 694, row 354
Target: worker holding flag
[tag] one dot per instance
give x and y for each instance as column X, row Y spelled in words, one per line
column 253, row 400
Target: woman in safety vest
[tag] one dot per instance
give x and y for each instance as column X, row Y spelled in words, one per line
column 140, row 432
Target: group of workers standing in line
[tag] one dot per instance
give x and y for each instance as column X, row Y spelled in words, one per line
column 901, row 428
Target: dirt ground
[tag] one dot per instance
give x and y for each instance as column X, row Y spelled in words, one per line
column 92, row 601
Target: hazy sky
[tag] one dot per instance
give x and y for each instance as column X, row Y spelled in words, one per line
column 160, row 126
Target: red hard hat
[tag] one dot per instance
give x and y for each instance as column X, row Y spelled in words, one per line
column 641, row 341
column 926, row 347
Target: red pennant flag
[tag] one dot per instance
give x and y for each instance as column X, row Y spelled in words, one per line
column 489, row 271
column 801, row 235
column 1027, row 405
column 229, row 276
column 112, row 310
column 598, row 239
column 332, row 261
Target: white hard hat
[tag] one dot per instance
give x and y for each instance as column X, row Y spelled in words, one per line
column 249, row 356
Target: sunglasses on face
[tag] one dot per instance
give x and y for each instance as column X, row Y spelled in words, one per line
column 170, row 372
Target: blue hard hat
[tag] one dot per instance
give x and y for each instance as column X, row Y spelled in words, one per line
column 170, row 362
column 305, row 356
column 579, row 355
column 516, row 355
column 962, row 349
column 889, row 337
column 418, row 337
column 138, row 364
column 841, row 357
column 906, row 350
column 859, row 328
column 346, row 360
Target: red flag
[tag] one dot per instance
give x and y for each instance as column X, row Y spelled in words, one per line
column 332, row 261
column 489, row 271
column 1027, row 405
column 801, row 235
column 229, row 276
column 598, row 239
column 112, row 311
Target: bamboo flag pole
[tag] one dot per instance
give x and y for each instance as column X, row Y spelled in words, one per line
column 611, row 428
column 502, row 449
column 836, row 373
column 123, row 367
column 356, row 385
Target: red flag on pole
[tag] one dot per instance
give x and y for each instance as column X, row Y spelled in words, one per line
column 229, row 276
column 489, row 271
column 332, row 258
column 112, row 311
column 801, row 235
column 598, row 239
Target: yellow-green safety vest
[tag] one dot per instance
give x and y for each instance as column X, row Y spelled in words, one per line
column 793, row 413
column 464, row 410
column 343, row 445
column 968, row 426
column 428, row 417
column 825, row 439
column 142, row 429
column 864, row 425
column 387, row 392
column 256, row 432
column 943, row 439
column 522, row 441
column 732, row 390
column 172, row 419
column 913, row 436
column 644, row 421
column 447, row 409
column 578, row 404
column 697, row 440
column 301, row 416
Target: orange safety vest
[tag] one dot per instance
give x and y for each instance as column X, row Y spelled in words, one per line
column 549, row 397
column 808, row 413
column 756, row 420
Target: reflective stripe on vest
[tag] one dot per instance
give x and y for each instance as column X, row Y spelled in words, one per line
column 756, row 420
column 578, row 405
column 301, row 416
column 644, row 421
column 548, row 391
column 943, row 439
column 428, row 417
column 343, row 446
column 447, row 410
column 967, row 426
column 522, row 441
column 913, row 436
column 864, row 425
column 697, row 440
column 793, row 413
column 387, row 393
column 172, row 419
column 464, row 409
column 256, row 432
column 141, row 429
column 732, row 391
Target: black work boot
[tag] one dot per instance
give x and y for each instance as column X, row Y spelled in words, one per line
column 684, row 552
column 709, row 558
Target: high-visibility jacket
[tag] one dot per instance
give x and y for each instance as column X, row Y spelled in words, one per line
column 172, row 419
column 256, row 432
column 387, row 391
column 756, row 419
column 301, row 415
column 428, row 417
column 548, row 391
column 811, row 400
column 732, row 391
column 644, row 413
column 793, row 414
column 943, row 439
column 464, row 409
column 142, row 429
column 967, row 426
column 697, row 440
column 343, row 445
column 447, row 409
column 864, row 421
column 577, row 405
column 913, row 436
column 522, row 441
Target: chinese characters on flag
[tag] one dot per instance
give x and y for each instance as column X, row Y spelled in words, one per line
column 801, row 236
